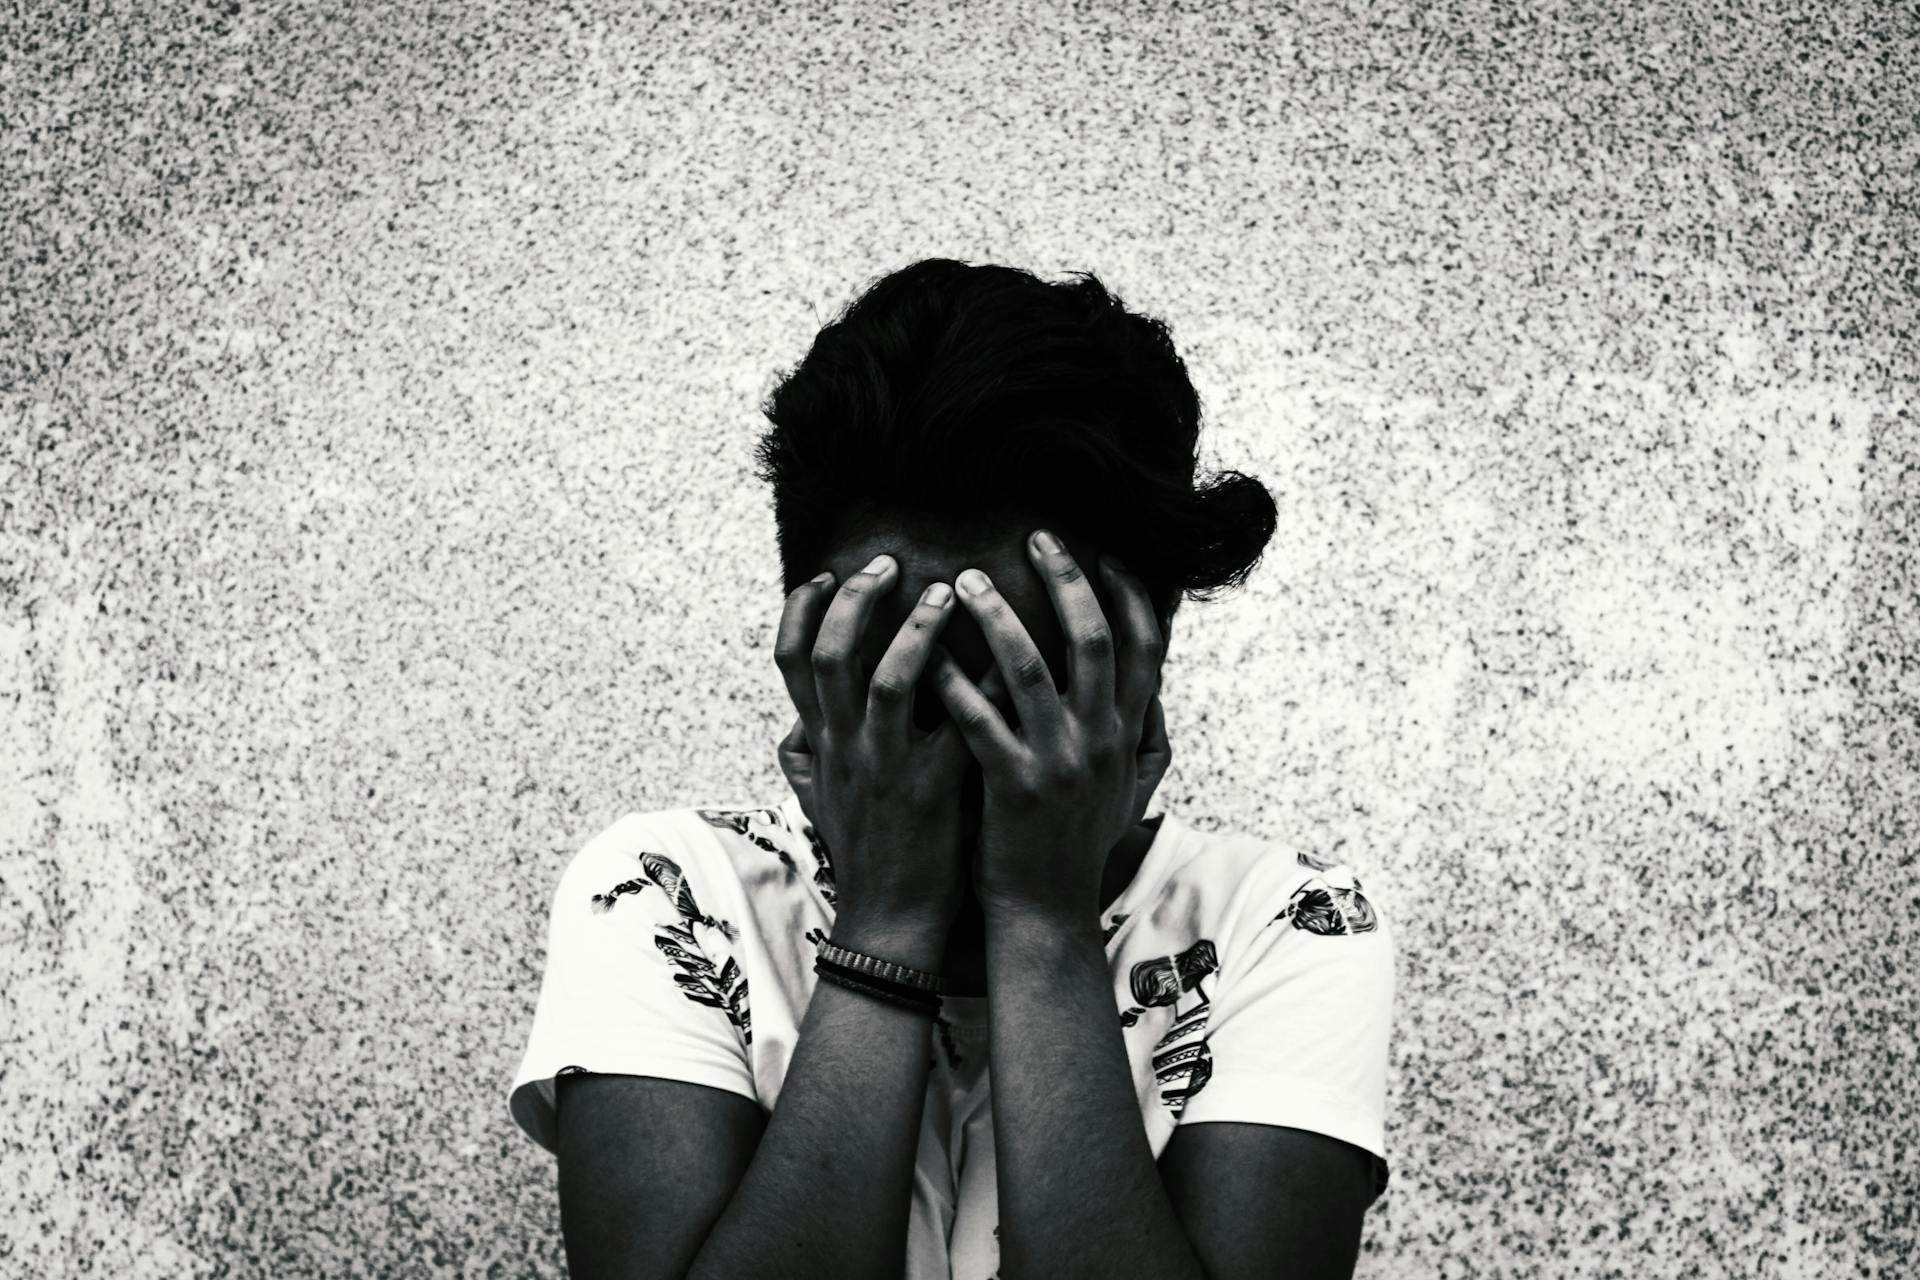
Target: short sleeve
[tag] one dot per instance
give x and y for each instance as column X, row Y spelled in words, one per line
column 1298, row 1035
column 637, row 981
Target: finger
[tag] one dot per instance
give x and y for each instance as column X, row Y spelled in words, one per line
column 994, row 686
column 890, row 693
column 974, row 716
column 793, row 645
column 1154, row 758
column 1142, row 648
column 1028, row 677
column 1090, row 642
column 796, row 758
column 1155, row 750
column 795, row 755
column 836, row 650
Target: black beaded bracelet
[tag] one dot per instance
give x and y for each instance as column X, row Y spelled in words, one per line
column 823, row 965
column 840, row 977
column 874, row 967
column 867, row 981
column 886, row 997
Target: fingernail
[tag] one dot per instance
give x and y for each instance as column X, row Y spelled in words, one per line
column 821, row 579
column 973, row 582
column 1047, row 543
column 936, row 593
column 1116, row 565
column 878, row 564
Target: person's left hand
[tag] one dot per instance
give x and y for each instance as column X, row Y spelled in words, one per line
column 1077, row 776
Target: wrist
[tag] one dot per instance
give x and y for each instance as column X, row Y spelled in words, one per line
column 914, row 940
column 1032, row 912
column 1039, row 917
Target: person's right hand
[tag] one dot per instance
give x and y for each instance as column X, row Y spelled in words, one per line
column 882, row 795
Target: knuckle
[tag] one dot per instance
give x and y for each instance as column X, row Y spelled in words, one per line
column 832, row 659
column 887, row 689
column 1032, row 672
column 1048, row 778
column 1096, row 641
column 975, row 718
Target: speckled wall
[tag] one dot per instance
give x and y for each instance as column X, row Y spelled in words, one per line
column 376, row 402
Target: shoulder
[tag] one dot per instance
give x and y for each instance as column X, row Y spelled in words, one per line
column 1263, row 879
column 623, row 843
column 721, row 849
column 634, row 852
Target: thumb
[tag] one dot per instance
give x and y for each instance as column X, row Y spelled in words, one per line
column 795, row 755
column 796, row 743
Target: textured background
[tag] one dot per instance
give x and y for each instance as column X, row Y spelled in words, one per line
column 376, row 401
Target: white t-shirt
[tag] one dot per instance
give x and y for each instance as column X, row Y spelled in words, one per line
column 1253, row 983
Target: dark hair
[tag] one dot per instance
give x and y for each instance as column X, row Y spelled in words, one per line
column 954, row 401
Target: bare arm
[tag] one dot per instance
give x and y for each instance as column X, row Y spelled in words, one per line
column 1080, row 1194
column 827, row 1193
column 824, row 1189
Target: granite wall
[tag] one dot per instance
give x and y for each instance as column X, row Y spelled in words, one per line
column 377, row 524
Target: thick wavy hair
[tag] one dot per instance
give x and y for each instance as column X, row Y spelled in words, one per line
column 954, row 402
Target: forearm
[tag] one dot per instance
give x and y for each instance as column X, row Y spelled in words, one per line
column 828, row 1192
column 1080, row 1193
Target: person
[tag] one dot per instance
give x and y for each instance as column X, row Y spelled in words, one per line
column 955, row 1006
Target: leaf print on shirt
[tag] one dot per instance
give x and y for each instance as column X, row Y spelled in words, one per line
column 740, row 823
column 1113, row 927
column 725, row 990
column 603, row 902
column 1182, row 1062
column 663, row 873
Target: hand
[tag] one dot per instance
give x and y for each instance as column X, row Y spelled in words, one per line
column 797, row 760
column 1078, row 775
column 883, row 796
column 797, row 755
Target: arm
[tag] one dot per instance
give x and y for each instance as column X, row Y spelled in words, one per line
column 827, row 1192
column 1080, row 1194
column 1079, row 1191
column 1250, row 1193
column 828, row 1189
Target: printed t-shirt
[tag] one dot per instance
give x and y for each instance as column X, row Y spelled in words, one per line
column 1252, row 983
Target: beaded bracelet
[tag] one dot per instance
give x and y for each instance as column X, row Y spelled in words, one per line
column 840, row 978
column 899, row 989
column 920, row 999
column 874, row 967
